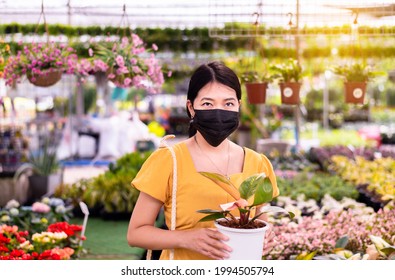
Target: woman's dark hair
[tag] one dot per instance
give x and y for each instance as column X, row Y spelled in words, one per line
column 214, row 71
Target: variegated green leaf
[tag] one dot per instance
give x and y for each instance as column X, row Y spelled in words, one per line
column 248, row 187
column 276, row 209
column 212, row 217
column 208, row 211
column 388, row 250
column 264, row 191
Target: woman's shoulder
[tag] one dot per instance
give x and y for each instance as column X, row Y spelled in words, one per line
column 256, row 157
column 252, row 153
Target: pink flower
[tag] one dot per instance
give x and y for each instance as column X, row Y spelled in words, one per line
column 90, row 51
column 119, row 60
column 154, row 47
column 40, row 207
column 127, row 81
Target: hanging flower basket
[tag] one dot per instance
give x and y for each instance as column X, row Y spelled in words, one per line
column 355, row 92
column 129, row 63
column 256, row 92
column 45, row 78
column 42, row 63
column 290, row 92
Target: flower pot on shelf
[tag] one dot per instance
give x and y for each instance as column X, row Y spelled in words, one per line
column 290, row 92
column 41, row 185
column 355, row 92
column 246, row 244
column 46, row 78
column 256, row 92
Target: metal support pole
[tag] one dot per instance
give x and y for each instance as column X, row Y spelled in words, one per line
column 297, row 114
column 325, row 107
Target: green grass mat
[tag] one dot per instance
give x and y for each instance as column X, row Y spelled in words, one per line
column 106, row 240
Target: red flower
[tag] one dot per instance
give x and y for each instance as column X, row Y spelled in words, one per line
column 70, row 230
column 3, row 239
column 3, row 249
column 48, row 255
column 17, row 253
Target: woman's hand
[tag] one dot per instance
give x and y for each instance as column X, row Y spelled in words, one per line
column 206, row 241
column 270, row 240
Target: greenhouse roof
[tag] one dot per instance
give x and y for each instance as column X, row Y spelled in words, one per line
column 191, row 13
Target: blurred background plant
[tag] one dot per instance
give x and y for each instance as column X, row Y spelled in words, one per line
column 37, row 217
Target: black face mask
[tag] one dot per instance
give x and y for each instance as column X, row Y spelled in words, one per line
column 215, row 125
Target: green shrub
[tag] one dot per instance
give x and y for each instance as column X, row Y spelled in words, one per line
column 316, row 186
column 111, row 190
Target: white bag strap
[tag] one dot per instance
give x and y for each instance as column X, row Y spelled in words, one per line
column 174, row 192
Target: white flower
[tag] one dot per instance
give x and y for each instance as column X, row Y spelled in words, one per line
column 14, row 212
column 27, row 246
column 12, row 204
column 60, row 209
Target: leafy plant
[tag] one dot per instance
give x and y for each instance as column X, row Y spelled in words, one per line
column 255, row 77
column 43, row 162
column 257, row 185
column 356, row 72
column 377, row 175
column 290, row 71
column 111, row 190
column 316, row 186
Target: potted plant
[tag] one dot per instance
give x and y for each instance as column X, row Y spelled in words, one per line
column 290, row 75
column 128, row 63
column 256, row 85
column 355, row 77
column 42, row 63
column 43, row 168
column 246, row 231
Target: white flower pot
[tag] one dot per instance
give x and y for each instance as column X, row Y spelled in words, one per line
column 247, row 244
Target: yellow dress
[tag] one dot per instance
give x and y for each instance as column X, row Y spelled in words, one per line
column 194, row 191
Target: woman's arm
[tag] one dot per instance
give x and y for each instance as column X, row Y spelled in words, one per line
column 143, row 233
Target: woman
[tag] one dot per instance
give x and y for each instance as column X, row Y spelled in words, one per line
column 213, row 105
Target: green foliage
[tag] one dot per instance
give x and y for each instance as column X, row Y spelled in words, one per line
column 111, row 190
column 42, row 162
column 255, row 77
column 73, row 193
column 331, row 138
column 289, row 71
column 257, row 185
column 378, row 174
column 355, row 72
column 315, row 186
